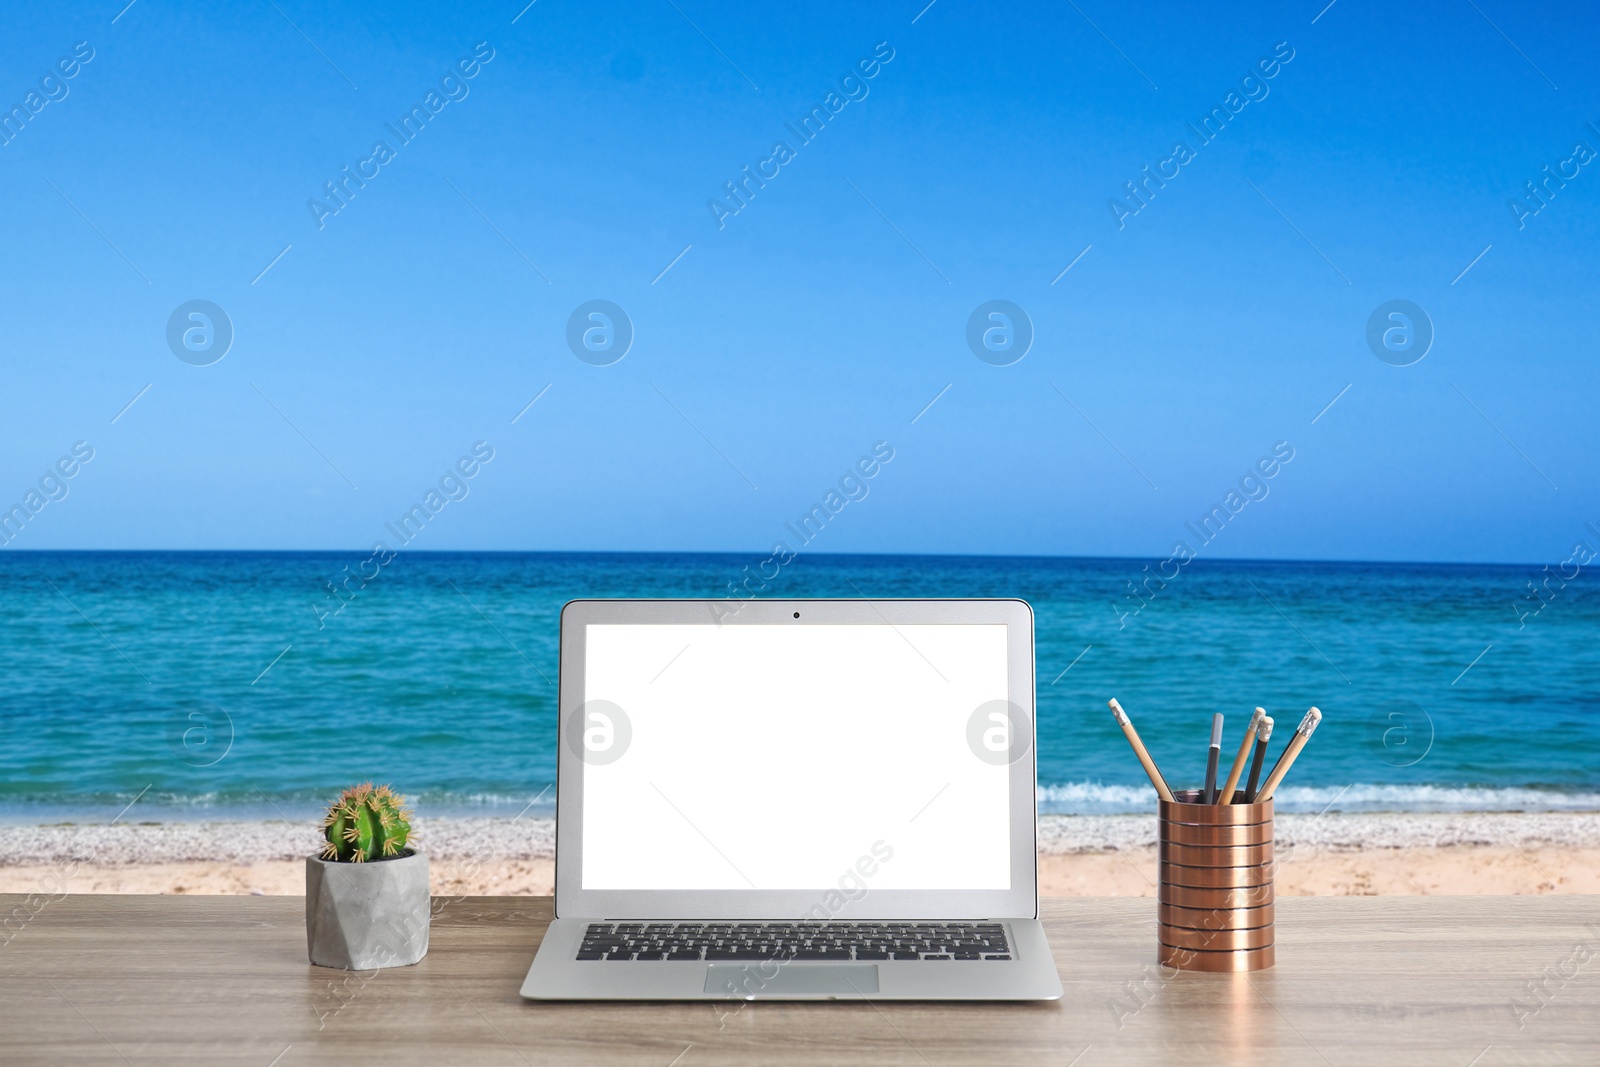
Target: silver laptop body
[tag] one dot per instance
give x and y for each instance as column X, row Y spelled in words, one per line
column 795, row 800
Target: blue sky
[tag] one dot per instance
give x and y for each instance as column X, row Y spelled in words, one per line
column 827, row 314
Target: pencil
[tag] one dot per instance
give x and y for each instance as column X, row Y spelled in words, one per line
column 1139, row 750
column 1262, row 737
column 1284, row 755
column 1302, row 734
column 1226, row 796
column 1213, row 753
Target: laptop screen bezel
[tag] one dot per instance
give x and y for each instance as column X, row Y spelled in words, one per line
column 573, row 900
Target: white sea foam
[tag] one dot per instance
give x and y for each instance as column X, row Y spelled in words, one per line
column 1094, row 798
column 470, row 841
column 167, row 807
column 461, row 841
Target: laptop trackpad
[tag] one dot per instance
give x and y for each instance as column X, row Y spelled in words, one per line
column 752, row 980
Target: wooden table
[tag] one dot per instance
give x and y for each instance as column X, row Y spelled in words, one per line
column 224, row 980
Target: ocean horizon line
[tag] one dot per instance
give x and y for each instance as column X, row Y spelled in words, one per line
column 632, row 553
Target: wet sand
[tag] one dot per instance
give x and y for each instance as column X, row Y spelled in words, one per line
column 1328, row 855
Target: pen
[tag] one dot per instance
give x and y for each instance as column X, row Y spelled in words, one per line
column 1302, row 734
column 1139, row 750
column 1262, row 737
column 1212, row 755
column 1226, row 796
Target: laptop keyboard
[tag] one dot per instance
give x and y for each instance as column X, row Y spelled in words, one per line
column 795, row 941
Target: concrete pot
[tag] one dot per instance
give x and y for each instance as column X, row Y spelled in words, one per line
column 360, row 916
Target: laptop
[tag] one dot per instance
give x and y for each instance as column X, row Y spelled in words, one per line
column 795, row 800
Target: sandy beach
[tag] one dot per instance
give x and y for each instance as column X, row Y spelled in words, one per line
column 1332, row 854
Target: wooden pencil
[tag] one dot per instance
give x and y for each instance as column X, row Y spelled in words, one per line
column 1302, row 734
column 1139, row 750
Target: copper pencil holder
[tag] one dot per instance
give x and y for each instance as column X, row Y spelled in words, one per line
column 1214, row 906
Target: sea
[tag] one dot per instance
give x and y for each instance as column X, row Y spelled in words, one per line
column 160, row 686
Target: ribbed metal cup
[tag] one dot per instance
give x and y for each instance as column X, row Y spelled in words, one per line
column 1215, row 909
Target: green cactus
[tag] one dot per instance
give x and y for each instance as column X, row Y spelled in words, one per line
column 366, row 823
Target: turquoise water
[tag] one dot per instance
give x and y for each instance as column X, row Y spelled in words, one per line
column 232, row 684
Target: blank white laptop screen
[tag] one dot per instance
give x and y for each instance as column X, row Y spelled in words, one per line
column 776, row 757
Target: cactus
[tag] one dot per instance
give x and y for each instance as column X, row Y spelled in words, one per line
column 366, row 823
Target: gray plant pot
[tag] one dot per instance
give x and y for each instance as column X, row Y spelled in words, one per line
column 365, row 915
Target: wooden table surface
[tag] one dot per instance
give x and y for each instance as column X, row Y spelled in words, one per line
column 224, row 980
